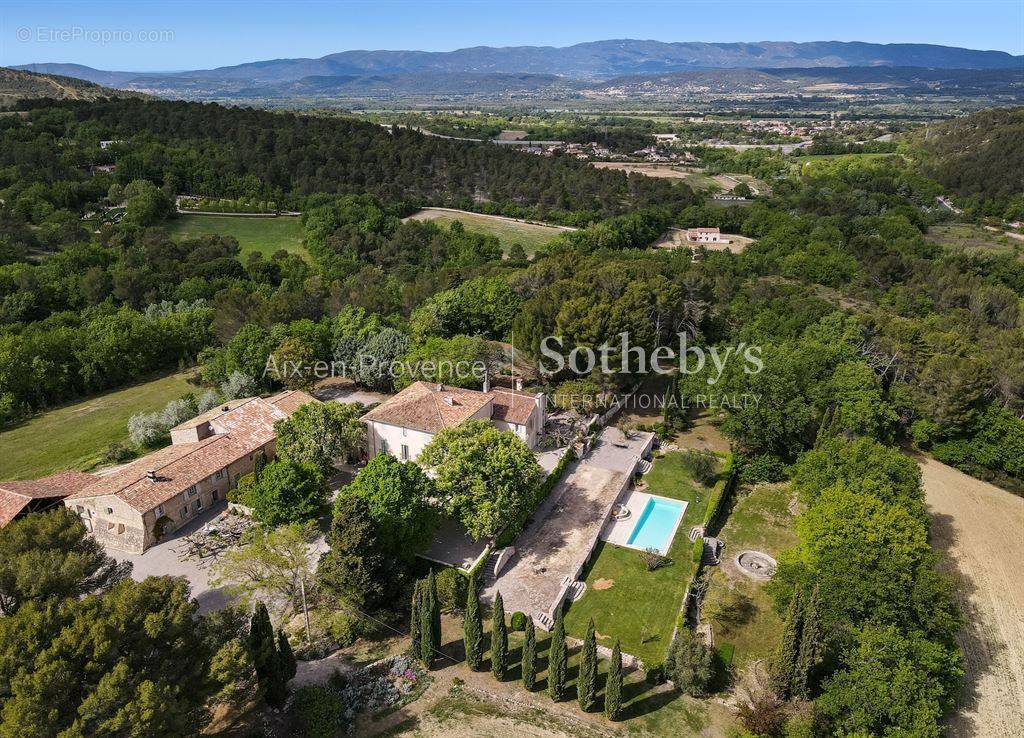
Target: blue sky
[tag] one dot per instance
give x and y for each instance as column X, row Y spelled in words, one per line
column 145, row 36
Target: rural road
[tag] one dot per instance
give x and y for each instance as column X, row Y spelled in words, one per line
column 979, row 528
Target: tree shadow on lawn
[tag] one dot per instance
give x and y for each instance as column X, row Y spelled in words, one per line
column 635, row 704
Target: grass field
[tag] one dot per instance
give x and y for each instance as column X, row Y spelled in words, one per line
column 802, row 162
column 507, row 231
column 641, row 607
column 971, row 237
column 265, row 235
column 738, row 607
column 74, row 436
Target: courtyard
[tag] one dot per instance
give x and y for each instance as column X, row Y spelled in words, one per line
column 553, row 549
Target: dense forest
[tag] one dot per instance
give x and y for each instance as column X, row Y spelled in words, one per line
column 980, row 157
column 871, row 335
column 231, row 152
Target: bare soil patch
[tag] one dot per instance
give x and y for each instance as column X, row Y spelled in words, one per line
column 980, row 530
column 668, row 171
column 602, row 584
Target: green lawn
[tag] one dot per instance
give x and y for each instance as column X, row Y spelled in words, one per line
column 75, row 435
column 738, row 607
column 529, row 235
column 641, row 608
column 265, row 235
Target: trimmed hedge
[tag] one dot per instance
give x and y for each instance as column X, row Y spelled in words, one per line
column 721, row 491
column 513, row 529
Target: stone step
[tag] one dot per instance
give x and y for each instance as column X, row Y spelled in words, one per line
column 544, row 621
column 575, row 591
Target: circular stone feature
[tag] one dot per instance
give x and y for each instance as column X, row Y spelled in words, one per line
column 756, row 564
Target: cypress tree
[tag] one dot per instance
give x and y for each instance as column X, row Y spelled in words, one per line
column 435, row 612
column 472, row 627
column 586, row 682
column 499, row 639
column 669, row 411
column 558, row 659
column 286, row 656
column 810, row 648
column 529, row 663
column 784, row 662
column 430, row 621
column 414, row 618
column 262, row 648
column 613, row 687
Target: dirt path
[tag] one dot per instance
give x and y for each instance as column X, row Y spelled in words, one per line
column 980, row 529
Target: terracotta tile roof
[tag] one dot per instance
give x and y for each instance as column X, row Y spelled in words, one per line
column 513, row 407
column 429, row 407
column 291, row 400
column 177, row 467
column 14, row 496
column 244, row 428
column 212, row 413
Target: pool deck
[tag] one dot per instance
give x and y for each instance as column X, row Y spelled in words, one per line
column 617, row 532
column 552, row 551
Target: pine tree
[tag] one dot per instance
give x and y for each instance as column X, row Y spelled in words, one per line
column 586, row 682
column 499, row 639
column 472, row 627
column 613, row 687
column 287, row 656
column 415, row 630
column 558, row 659
column 784, row 661
column 529, row 663
column 810, row 648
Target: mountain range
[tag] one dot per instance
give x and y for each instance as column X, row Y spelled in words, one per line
column 592, row 60
column 594, row 69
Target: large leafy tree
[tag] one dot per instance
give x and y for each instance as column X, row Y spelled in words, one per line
column 51, row 556
column 483, row 476
column 870, row 560
column 396, row 494
column 358, row 568
column 893, row 684
column 320, row 432
column 460, row 361
column 863, row 465
column 284, row 492
column 271, row 567
column 131, row 661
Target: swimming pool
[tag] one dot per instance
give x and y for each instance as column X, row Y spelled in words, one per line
column 657, row 524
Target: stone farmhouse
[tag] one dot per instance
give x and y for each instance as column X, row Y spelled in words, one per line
column 17, row 499
column 132, row 508
column 402, row 425
column 706, row 235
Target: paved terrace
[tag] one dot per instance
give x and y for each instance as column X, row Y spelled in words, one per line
column 551, row 552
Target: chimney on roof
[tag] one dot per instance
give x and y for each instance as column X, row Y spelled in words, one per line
column 440, row 388
column 226, row 408
column 519, row 384
column 487, row 382
column 151, row 475
column 449, row 400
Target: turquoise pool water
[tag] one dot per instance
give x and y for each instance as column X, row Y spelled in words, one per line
column 656, row 524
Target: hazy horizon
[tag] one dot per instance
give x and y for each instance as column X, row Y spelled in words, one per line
column 147, row 38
